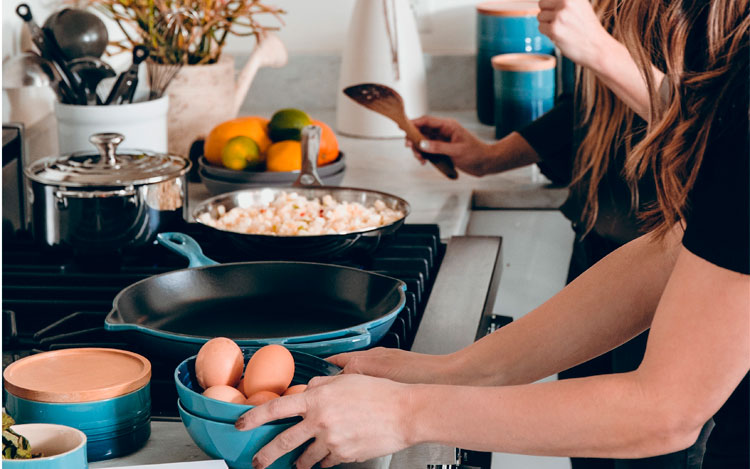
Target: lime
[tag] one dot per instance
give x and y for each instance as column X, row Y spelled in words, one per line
column 287, row 124
column 241, row 153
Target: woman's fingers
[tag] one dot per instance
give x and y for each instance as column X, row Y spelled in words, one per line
column 329, row 461
column 312, row 455
column 279, row 408
column 284, row 442
column 319, row 381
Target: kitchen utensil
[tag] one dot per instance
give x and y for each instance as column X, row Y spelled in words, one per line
column 306, row 367
column 91, row 71
column 269, row 177
column 106, row 201
column 315, row 308
column 124, row 88
column 270, row 52
column 69, row 85
column 62, row 447
column 382, row 46
column 386, row 101
column 223, row 441
column 105, row 393
column 160, row 76
column 308, row 184
column 77, row 33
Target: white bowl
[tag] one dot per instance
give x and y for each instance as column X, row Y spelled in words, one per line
column 62, row 447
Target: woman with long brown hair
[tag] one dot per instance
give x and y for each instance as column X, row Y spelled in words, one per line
column 688, row 280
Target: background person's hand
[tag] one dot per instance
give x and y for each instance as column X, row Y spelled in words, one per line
column 349, row 418
column 397, row 365
column 448, row 137
column 574, row 28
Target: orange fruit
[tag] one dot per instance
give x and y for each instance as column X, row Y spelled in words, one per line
column 254, row 127
column 329, row 145
column 284, row 156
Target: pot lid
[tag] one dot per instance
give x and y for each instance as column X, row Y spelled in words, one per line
column 506, row 8
column 77, row 375
column 108, row 167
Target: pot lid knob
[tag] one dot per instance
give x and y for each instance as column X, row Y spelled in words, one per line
column 106, row 143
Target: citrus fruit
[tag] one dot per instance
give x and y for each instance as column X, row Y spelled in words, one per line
column 284, row 156
column 287, row 124
column 240, row 153
column 251, row 126
column 329, row 146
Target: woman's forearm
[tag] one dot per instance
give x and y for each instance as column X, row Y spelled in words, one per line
column 576, row 324
column 510, row 152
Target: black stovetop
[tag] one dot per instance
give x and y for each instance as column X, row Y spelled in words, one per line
column 54, row 299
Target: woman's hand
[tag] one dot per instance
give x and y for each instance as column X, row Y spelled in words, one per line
column 348, row 418
column 574, row 27
column 448, row 137
column 397, row 365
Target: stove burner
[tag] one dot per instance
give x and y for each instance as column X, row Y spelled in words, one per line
column 54, row 299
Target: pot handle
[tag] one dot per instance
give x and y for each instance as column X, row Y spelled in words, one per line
column 185, row 246
column 308, row 176
column 332, row 346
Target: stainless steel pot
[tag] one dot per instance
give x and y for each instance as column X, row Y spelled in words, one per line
column 106, row 201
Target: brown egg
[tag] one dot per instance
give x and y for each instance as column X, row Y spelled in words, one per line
column 219, row 361
column 296, row 389
column 271, row 368
column 225, row 393
column 261, row 397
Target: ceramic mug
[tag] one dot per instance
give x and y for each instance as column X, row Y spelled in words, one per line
column 144, row 124
column 524, row 89
column 504, row 27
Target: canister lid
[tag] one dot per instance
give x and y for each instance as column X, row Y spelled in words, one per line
column 108, row 167
column 77, row 375
column 509, row 8
column 523, row 62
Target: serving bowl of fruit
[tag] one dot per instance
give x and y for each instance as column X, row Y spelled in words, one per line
column 254, row 151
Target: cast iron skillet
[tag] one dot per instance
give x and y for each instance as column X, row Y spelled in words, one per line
column 309, row 185
column 319, row 309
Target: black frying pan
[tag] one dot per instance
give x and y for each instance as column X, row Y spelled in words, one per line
column 308, row 184
column 316, row 308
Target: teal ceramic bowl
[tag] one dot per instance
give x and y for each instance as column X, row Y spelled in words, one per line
column 113, row 427
column 62, row 447
column 189, row 391
column 223, row 441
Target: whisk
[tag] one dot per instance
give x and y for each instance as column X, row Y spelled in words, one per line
column 179, row 27
column 159, row 77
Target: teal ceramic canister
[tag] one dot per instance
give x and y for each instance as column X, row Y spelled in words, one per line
column 504, row 27
column 524, row 89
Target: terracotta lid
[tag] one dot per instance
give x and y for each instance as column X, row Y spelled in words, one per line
column 523, row 62
column 77, row 375
column 509, row 8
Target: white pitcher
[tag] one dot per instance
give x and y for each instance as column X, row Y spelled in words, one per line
column 382, row 47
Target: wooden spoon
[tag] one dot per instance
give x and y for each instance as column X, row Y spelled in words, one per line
column 386, row 101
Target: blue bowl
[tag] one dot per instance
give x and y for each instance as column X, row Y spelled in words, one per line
column 189, row 391
column 113, row 427
column 223, row 441
column 62, row 447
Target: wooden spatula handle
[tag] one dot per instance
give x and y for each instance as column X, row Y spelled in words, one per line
column 441, row 162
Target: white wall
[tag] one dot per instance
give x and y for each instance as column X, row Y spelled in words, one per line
column 312, row 26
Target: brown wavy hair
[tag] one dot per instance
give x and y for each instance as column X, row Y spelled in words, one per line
column 683, row 109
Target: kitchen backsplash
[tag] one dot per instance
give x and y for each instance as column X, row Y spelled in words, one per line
column 310, row 81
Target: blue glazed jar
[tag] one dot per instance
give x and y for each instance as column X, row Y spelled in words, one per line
column 504, row 27
column 524, row 89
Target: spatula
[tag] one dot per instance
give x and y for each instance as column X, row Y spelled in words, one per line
column 386, row 101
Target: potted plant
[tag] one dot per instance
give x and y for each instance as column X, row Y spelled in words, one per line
column 185, row 40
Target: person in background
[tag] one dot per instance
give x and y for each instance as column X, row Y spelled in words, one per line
column 687, row 280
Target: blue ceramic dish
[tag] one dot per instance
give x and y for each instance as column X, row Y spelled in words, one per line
column 62, row 447
column 113, row 427
column 223, row 441
column 189, row 391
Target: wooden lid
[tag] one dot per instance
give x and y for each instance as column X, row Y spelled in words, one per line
column 509, row 8
column 77, row 375
column 523, row 62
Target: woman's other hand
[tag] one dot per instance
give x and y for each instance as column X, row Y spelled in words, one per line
column 397, row 365
column 448, row 137
column 348, row 418
column 574, row 27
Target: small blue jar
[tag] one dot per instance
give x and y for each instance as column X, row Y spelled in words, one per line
column 524, row 89
column 504, row 27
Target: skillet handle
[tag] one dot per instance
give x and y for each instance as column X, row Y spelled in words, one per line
column 185, row 246
column 333, row 346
